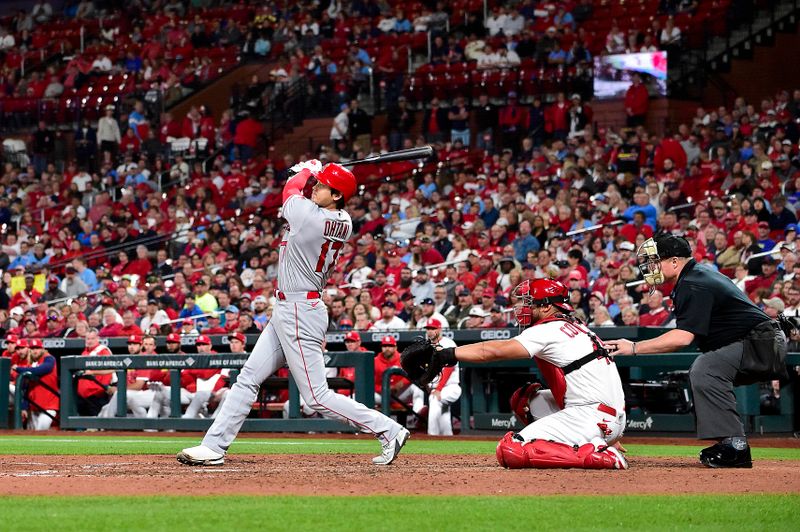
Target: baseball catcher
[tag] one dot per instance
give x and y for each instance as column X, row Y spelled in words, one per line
column 576, row 421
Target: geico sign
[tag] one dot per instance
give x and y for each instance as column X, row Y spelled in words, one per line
column 334, row 338
column 55, row 343
column 377, row 337
column 498, row 334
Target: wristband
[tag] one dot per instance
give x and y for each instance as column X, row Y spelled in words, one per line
column 448, row 356
column 633, row 347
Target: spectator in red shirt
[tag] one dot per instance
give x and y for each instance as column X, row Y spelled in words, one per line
column 636, row 102
column 428, row 253
column 654, row 314
column 28, row 296
column 246, row 137
column 140, row 266
column 635, row 227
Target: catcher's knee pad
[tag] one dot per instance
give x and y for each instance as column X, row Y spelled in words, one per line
column 521, row 400
column 510, row 452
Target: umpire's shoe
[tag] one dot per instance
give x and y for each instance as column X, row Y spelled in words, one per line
column 200, row 456
column 727, row 455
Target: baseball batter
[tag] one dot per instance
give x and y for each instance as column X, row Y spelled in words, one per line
column 317, row 230
column 445, row 389
column 581, row 416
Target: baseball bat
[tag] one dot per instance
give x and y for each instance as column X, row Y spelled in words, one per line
column 400, row 155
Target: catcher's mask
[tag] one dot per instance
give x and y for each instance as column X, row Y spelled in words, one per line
column 538, row 293
column 656, row 249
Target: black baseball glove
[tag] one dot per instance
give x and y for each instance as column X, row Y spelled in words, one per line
column 423, row 361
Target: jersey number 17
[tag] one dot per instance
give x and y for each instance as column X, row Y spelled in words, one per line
column 337, row 246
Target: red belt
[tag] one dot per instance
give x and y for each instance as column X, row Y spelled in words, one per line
column 306, row 295
column 607, row 409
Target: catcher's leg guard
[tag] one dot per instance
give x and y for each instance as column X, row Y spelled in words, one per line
column 520, row 401
column 510, row 452
column 542, row 454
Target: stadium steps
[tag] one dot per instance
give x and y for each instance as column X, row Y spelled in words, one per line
column 698, row 68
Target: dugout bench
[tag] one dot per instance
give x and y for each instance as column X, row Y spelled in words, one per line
column 481, row 397
column 364, row 388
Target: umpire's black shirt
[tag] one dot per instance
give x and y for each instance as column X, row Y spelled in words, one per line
column 710, row 306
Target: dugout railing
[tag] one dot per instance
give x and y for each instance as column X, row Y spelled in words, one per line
column 73, row 366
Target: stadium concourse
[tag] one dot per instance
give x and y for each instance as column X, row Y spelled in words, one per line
column 125, row 232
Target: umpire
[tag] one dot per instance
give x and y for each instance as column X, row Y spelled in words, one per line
column 740, row 344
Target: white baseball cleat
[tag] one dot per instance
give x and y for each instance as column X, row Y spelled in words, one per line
column 619, row 459
column 392, row 448
column 200, row 456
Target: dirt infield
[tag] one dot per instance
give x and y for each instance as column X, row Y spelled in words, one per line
column 343, row 474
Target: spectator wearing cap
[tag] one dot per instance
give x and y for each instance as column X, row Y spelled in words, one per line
column 764, row 282
column 261, row 311
column 764, row 241
column 53, row 291
column 497, row 318
column 422, row 287
column 428, row 253
column 214, row 325
column 203, row 298
column 189, row 327
column 476, row 318
column 524, row 242
column 153, row 316
column 429, row 312
column 654, row 314
column 460, row 310
column 73, row 285
column 487, row 300
column 388, row 320
column 231, row 315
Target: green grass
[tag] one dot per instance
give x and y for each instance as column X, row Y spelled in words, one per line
column 143, row 444
column 704, row 512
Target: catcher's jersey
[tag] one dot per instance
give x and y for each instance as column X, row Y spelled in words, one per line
column 557, row 343
column 311, row 244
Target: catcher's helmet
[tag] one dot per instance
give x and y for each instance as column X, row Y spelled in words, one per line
column 536, row 293
column 338, row 178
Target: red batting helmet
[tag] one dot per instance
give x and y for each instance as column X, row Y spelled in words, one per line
column 338, row 178
column 537, row 293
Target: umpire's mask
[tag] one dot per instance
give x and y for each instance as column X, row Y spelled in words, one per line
column 654, row 250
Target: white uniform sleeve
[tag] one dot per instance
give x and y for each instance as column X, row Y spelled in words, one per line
column 532, row 342
column 296, row 209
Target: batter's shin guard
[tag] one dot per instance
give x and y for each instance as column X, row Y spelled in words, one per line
column 510, row 452
column 542, row 454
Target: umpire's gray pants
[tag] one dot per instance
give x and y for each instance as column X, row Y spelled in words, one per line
column 712, row 376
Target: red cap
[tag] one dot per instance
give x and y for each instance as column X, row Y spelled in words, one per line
column 352, row 336
column 488, row 292
column 174, row 337
column 236, row 335
column 433, row 323
column 187, row 321
column 730, row 216
column 203, row 340
column 22, row 342
column 34, row 343
column 12, row 338
column 575, row 274
column 614, row 265
column 763, row 224
column 345, row 321
column 134, row 339
column 388, row 340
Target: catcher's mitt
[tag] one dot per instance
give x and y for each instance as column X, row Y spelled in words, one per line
column 423, row 361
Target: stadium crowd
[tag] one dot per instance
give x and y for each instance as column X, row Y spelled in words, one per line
column 127, row 238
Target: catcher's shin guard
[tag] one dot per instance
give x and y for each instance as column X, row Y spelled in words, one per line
column 542, row 454
column 510, row 453
column 521, row 400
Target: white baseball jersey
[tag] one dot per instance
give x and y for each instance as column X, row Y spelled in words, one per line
column 556, row 343
column 311, row 244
